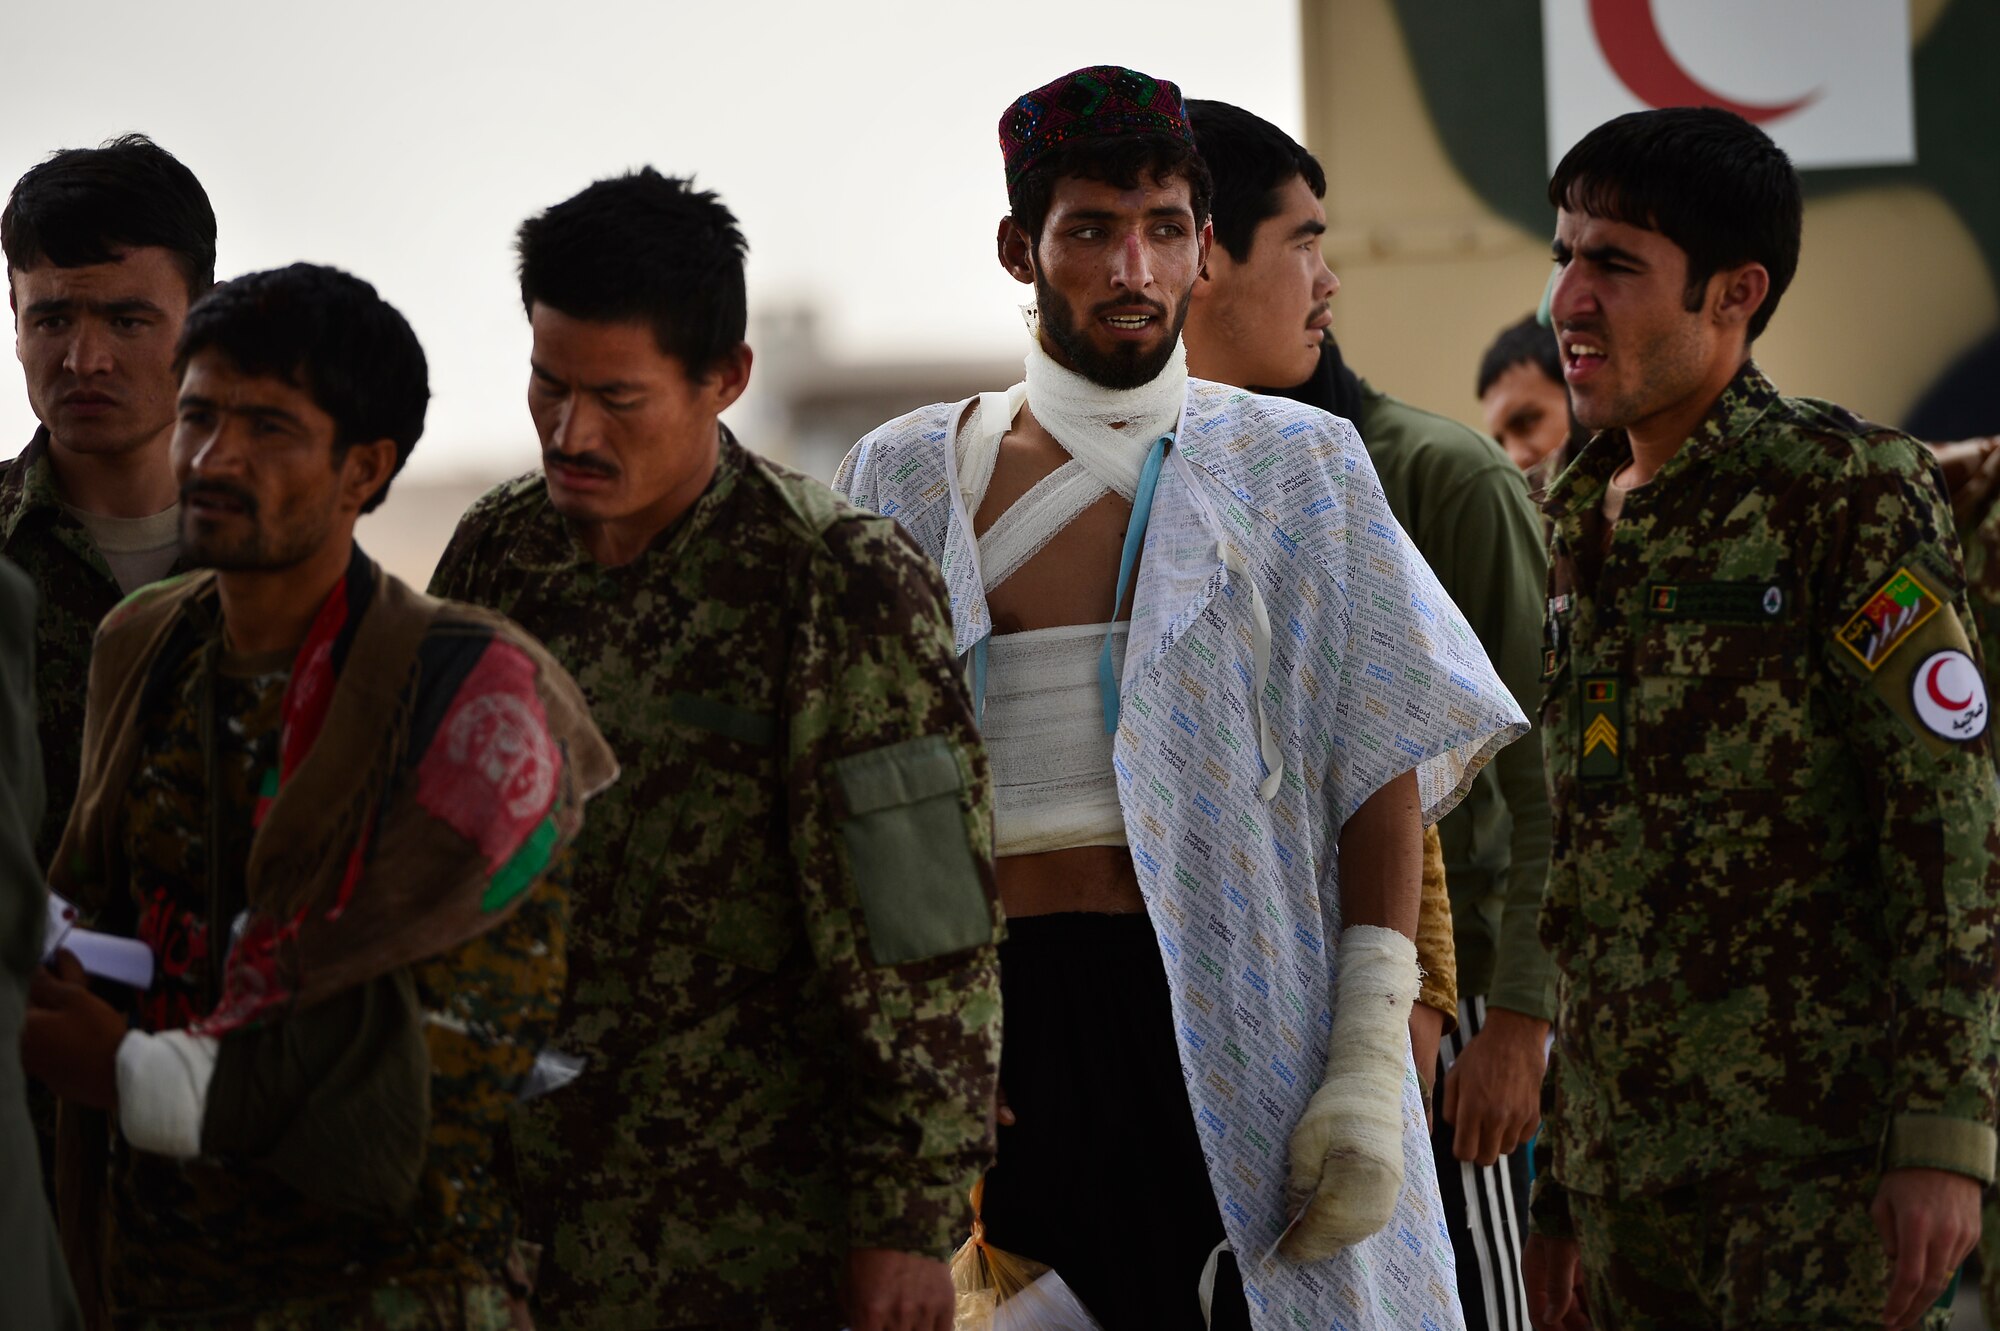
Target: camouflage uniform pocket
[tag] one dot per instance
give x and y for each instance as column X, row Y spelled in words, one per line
column 1720, row 706
column 909, row 851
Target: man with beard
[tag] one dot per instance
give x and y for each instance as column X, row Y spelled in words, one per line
column 1209, row 842
column 1262, row 314
column 331, row 807
column 1773, row 897
column 783, row 978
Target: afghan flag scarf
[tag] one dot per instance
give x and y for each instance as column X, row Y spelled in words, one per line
column 433, row 760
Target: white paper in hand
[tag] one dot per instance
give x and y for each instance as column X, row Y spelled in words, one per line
column 1046, row 1305
column 106, row 956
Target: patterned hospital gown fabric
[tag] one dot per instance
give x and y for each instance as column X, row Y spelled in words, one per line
column 1268, row 513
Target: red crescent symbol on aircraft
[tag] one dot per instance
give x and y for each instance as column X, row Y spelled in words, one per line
column 1937, row 694
column 1630, row 38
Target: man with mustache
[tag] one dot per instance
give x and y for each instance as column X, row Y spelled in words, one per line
column 1261, row 315
column 1223, row 695
column 106, row 249
column 1772, row 898
column 782, row 969
column 335, row 811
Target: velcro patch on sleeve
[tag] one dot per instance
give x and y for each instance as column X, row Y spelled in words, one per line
column 1930, row 681
column 911, row 852
column 1890, row 618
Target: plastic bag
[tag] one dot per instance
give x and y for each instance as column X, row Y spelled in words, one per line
column 998, row 1291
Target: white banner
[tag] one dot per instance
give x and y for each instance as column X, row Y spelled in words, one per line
column 1828, row 79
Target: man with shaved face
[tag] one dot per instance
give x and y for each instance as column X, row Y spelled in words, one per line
column 106, row 249
column 1773, row 897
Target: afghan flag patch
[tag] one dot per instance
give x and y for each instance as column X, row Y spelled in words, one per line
column 1887, row 619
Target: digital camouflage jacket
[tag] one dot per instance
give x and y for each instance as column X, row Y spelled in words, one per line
column 1772, row 897
column 784, row 972
column 76, row 591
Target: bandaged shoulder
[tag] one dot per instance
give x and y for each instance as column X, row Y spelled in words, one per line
column 1906, row 641
column 909, row 848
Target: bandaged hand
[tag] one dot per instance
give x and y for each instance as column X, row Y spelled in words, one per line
column 1347, row 1150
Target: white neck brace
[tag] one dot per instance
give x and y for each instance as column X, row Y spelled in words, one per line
column 1080, row 414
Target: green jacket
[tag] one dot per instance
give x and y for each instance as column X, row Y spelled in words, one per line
column 784, row 975
column 36, row 1292
column 1773, row 894
column 1466, row 507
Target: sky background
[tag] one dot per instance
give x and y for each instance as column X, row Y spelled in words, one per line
column 405, row 142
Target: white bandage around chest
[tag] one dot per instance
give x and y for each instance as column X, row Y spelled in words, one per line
column 1054, row 788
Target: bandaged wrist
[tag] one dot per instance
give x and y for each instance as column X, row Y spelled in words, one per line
column 1347, row 1151
column 163, row 1090
column 1377, row 985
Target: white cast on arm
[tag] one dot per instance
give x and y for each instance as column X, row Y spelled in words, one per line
column 1347, row 1151
column 163, row 1090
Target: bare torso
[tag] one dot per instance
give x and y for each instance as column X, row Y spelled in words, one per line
column 1071, row 580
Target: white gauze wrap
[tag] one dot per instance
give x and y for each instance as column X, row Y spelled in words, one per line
column 1347, row 1151
column 163, row 1090
column 1081, row 416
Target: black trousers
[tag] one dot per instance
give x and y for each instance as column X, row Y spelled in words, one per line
column 1102, row 1176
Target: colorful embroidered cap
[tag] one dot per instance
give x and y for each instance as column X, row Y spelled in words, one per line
column 1097, row 102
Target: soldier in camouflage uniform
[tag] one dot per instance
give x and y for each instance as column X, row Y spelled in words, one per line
column 292, row 1127
column 1773, row 898
column 784, row 978
column 106, row 248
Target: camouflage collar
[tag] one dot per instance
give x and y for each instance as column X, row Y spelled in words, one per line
column 551, row 545
column 28, row 483
column 1736, row 411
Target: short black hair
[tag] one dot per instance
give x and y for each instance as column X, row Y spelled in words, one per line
column 643, row 248
column 1120, row 160
column 329, row 333
column 1529, row 342
column 1250, row 160
column 1706, row 179
column 82, row 205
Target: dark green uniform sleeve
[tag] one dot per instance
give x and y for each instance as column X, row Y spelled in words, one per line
column 356, row 1101
column 1892, row 600
column 891, row 814
column 1486, row 546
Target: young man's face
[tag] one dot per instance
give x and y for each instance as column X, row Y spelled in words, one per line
column 97, row 344
column 260, row 490
column 1631, row 348
column 624, row 430
column 1264, row 320
column 1527, row 411
column 1113, row 271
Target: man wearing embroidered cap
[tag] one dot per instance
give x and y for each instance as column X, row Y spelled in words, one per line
column 1772, row 895
column 1184, row 823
